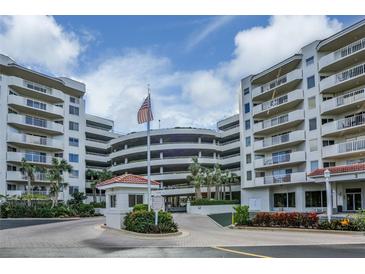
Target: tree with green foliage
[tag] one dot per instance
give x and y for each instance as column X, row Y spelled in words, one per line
column 93, row 175
column 196, row 177
column 217, row 179
column 29, row 171
column 232, row 179
column 103, row 176
column 209, row 181
column 55, row 175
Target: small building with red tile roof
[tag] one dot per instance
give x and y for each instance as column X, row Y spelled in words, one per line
column 122, row 193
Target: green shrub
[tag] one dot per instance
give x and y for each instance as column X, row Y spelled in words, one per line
column 77, row 198
column 140, row 207
column 98, row 204
column 143, row 221
column 241, row 216
column 285, row 219
column 213, row 202
column 83, row 210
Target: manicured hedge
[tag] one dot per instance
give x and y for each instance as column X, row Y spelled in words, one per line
column 286, row 219
column 213, row 202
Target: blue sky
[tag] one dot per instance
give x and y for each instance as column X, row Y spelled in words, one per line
column 193, row 63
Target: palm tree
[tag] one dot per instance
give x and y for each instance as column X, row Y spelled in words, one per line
column 102, row 176
column 232, row 179
column 224, row 180
column 217, row 181
column 93, row 174
column 28, row 170
column 195, row 177
column 209, row 177
column 55, row 175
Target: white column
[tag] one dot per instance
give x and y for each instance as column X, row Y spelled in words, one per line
column 161, row 169
column 125, row 146
column 214, row 155
column 161, row 140
column 200, row 154
column 199, row 140
column 126, row 160
column 161, row 155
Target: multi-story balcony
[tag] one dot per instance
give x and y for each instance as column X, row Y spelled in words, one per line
column 96, row 144
column 345, row 80
column 99, row 131
column 235, row 129
column 348, row 101
column 30, row 157
column 354, row 124
column 346, row 149
column 97, row 157
column 36, row 124
column 343, row 57
column 280, row 85
column 279, row 104
column 279, row 141
column 278, row 123
column 292, row 178
column 34, row 90
column 281, row 160
column 35, row 107
column 236, row 158
column 24, row 192
column 25, row 140
column 18, row 176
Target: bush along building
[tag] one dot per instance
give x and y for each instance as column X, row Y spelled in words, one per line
column 300, row 117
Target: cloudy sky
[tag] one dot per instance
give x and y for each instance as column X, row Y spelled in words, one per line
column 192, row 63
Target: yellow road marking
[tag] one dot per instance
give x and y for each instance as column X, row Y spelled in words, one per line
column 240, row 252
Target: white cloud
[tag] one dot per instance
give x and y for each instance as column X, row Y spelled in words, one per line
column 39, row 42
column 200, row 35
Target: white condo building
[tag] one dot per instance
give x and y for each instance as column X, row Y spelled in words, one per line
column 301, row 116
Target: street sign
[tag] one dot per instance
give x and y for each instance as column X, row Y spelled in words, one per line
column 157, row 202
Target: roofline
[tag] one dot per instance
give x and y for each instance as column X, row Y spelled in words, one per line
column 277, row 65
column 126, row 185
column 340, row 33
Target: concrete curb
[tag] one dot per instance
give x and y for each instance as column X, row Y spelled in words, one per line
column 43, row 219
column 310, row 230
column 144, row 235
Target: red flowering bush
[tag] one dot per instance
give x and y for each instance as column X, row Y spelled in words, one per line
column 286, row 219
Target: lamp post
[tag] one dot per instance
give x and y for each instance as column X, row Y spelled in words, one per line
column 327, row 175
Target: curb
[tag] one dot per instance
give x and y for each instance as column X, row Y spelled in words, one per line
column 145, row 235
column 358, row 233
column 41, row 219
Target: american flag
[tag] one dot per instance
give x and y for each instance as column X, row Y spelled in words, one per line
column 145, row 112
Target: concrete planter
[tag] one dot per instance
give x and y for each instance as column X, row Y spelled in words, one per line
column 210, row 209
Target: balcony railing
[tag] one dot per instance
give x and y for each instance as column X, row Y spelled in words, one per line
column 37, row 87
column 273, row 84
column 274, row 103
column 275, row 140
column 275, row 121
column 351, row 146
column 350, row 73
column 350, row 49
column 277, row 179
column 353, row 121
column 277, row 159
column 350, row 97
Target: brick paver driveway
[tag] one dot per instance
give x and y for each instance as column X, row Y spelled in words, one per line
column 87, row 236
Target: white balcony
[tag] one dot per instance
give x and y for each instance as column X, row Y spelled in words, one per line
column 97, row 157
column 281, row 160
column 279, row 104
column 292, row 178
column 343, row 57
column 343, row 103
column 33, row 123
column 34, row 90
column 30, row 157
column 96, row 144
column 18, row 176
column 346, row 149
column 279, row 141
column 231, row 159
column 354, row 124
column 281, row 85
column 37, row 108
column 26, row 140
column 345, row 80
column 279, row 123
column 24, row 192
column 101, row 132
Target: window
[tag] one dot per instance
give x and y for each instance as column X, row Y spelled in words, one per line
column 113, row 200
column 11, row 187
column 313, row 145
column 328, row 142
column 309, row 61
column 249, row 175
column 30, row 120
column 73, row 158
column 329, row 164
column 73, row 142
column 135, row 199
column 326, row 120
column 73, row 126
column 74, row 110
column 315, row 199
column 248, row 158
column 284, row 199
column 312, row 102
column 313, row 124
column 314, row 165
column 246, row 91
column 74, row 100
column 73, row 189
column 247, row 107
column 247, row 124
column 74, row 173
column 36, row 104
column 248, row 141
column 310, row 82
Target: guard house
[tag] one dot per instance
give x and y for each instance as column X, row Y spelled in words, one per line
column 122, row 194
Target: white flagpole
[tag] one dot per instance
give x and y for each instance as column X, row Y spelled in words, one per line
column 148, row 158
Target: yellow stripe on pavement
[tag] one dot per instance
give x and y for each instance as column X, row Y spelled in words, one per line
column 240, row 252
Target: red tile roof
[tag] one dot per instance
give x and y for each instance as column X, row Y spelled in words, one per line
column 127, row 179
column 339, row 169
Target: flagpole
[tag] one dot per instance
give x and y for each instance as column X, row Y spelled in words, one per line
column 148, row 160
